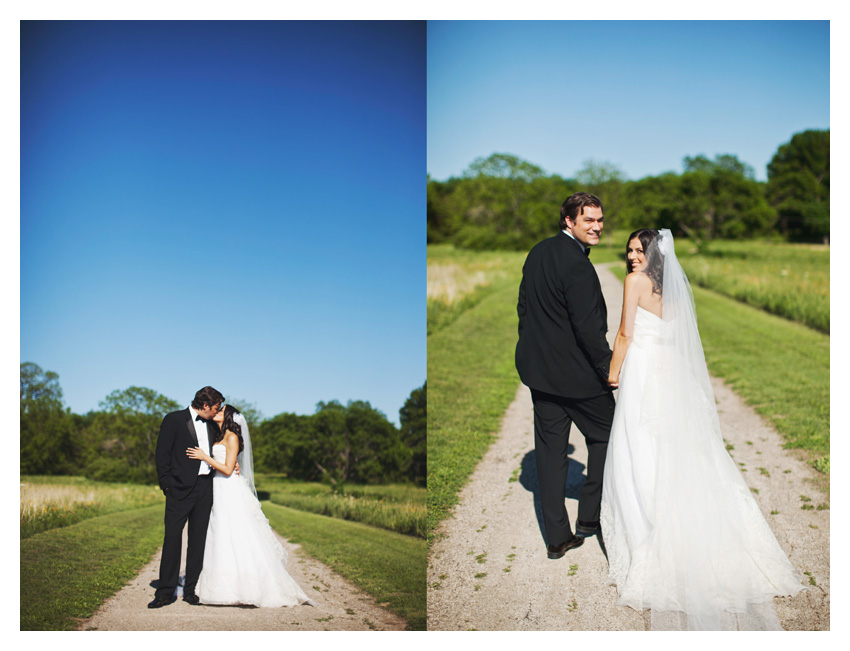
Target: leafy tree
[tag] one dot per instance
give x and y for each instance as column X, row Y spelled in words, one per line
column 798, row 185
column 720, row 198
column 46, row 427
column 122, row 437
column 282, row 445
column 414, row 432
column 337, row 444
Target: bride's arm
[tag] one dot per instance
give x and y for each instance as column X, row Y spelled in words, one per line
column 231, row 442
column 631, row 291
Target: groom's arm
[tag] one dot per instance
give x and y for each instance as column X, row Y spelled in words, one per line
column 520, row 305
column 583, row 300
column 164, row 447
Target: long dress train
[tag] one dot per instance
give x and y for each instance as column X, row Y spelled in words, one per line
column 244, row 563
column 683, row 534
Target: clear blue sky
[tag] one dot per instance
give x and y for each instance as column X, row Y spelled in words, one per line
column 639, row 94
column 240, row 204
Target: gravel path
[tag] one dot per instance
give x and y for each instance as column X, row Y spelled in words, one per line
column 489, row 570
column 340, row 606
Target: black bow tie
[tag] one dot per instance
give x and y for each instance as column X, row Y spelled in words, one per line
column 203, row 420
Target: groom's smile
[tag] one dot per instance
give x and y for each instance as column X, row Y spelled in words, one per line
column 587, row 227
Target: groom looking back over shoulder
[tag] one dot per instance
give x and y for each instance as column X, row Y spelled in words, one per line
column 563, row 356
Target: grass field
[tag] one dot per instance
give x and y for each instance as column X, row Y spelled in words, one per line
column 69, row 569
column 779, row 367
column 52, row 502
column 399, row 508
column 790, row 280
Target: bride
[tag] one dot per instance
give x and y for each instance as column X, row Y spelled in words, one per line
column 683, row 534
column 244, row 563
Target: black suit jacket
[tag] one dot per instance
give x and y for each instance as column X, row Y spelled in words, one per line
column 563, row 320
column 176, row 471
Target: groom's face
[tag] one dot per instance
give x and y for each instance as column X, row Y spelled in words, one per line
column 587, row 226
column 208, row 412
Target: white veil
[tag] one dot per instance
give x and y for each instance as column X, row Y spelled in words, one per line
column 246, row 457
column 703, row 509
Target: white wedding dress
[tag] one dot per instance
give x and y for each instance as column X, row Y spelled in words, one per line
column 244, row 563
column 683, row 534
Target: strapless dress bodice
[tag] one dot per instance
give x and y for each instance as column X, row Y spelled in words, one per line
column 219, row 452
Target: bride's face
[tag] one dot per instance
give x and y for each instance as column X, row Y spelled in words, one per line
column 219, row 416
column 636, row 255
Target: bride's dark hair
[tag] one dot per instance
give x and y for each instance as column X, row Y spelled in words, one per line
column 654, row 263
column 229, row 424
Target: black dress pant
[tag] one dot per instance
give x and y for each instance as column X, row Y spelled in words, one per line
column 553, row 417
column 194, row 508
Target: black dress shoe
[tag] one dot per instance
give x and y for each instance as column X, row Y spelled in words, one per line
column 587, row 528
column 192, row 599
column 556, row 551
column 159, row 602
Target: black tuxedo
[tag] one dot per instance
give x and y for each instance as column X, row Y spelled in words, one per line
column 188, row 497
column 563, row 356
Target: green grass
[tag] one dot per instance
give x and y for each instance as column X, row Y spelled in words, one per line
column 49, row 502
column 67, row 573
column 790, row 280
column 399, row 508
column 471, row 381
column 389, row 566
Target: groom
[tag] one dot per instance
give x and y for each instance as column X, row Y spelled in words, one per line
column 187, row 484
column 563, row 357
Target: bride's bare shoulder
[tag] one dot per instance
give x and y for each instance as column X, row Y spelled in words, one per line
column 638, row 280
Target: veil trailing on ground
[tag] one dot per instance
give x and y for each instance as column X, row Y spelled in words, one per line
column 711, row 561
column 246, row 457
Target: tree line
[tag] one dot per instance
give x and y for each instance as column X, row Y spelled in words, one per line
column 504, row 202
column 338, row 443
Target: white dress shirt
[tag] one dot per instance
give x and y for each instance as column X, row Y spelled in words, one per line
column 203, row 440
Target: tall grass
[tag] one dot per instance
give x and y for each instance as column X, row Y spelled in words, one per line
column 396, row 508
column 52, row 502
column 789, row 280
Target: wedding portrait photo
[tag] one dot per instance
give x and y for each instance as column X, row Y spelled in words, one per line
column 628, row 325
column 466, row 322
column 222, row 325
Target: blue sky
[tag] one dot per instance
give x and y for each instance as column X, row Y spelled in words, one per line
column 639, row 94
column 240, row 204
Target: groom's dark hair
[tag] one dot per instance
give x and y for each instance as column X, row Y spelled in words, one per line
column 574, row 206
column 207, row 396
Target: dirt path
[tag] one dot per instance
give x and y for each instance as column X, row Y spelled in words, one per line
column 340, row 606
column 490, row 571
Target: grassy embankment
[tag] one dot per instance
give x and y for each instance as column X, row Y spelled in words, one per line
column 779, row 367
column 83, row 540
